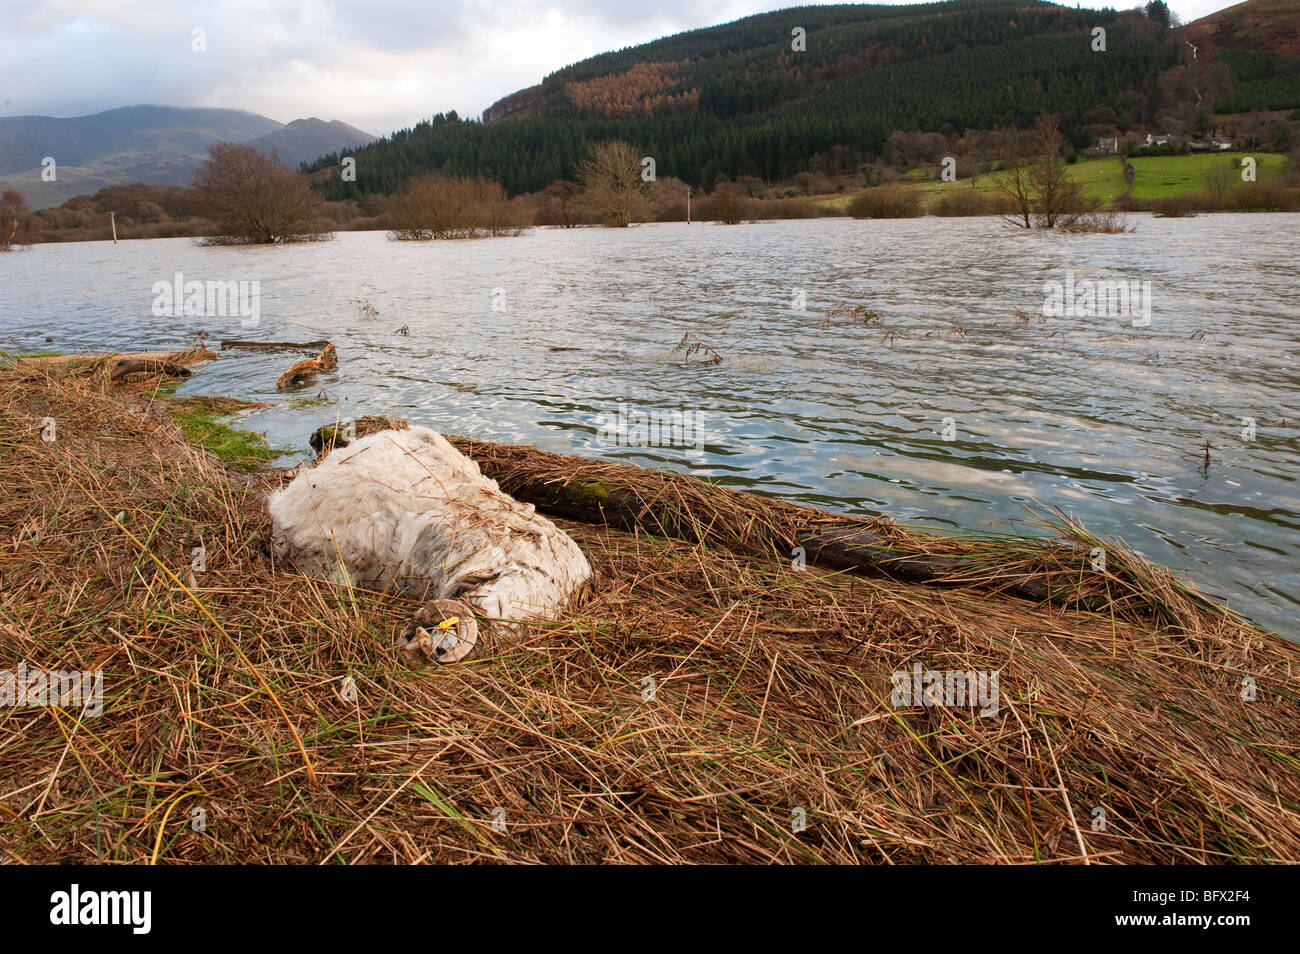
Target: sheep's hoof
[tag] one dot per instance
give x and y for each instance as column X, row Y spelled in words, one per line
column 441, row 631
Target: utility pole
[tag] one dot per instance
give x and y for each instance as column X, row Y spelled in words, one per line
column 688, row 205
column 112, row 217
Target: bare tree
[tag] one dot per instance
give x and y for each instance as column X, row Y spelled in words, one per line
column 728, row 205
column 611, row 175
column 562, row 198
column 1058, row 196
column 450, row 207
column 13, row 214
column 1220, row 178
column 254, row 198
column 1044, row 195
column 1013, row 181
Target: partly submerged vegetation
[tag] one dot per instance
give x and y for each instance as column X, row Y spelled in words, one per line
column 1198, row 181
column 449, row 207
column 207, row 422
column 255, row 199
column 712, row 699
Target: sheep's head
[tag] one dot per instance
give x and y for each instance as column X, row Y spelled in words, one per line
column 441, row 631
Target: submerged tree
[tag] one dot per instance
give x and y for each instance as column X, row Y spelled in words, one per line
column 729, row 205
column 254, row 198
column 1013, row 180
column 1058, row 196
column 612, row 177
column 13, row 215
column 450, row 207
column 562, row 200
column 1044, row 194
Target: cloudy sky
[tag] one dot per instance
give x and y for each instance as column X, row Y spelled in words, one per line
column 377, row 64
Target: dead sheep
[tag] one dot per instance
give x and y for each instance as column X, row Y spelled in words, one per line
column 404, row 511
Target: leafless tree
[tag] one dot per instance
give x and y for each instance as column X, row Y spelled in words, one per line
column 614, row 188
column 1058, row 196
column 1043, row 194
column 562, row 199
column 1219, row 179
column 1013, row 181
column 13, row 214
column 254, row 198
column 450, row 207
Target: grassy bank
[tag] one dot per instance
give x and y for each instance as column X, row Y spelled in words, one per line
column 208, row 422
column 1155, row 178
column 703, row 697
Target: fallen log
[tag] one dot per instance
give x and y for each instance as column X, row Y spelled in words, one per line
column 633, row 499
column 125, row 367
column 276, row 345
column 96, row 359
column 850, row 546
column 860, row 550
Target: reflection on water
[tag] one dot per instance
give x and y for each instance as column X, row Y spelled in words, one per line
column 1089, row 414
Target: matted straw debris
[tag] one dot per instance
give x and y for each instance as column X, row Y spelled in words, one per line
column 708, row 702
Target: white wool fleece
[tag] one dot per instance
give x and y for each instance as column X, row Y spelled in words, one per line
column 406, row 511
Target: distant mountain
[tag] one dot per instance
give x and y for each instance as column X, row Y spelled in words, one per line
column 304, row 140
column 158, row 145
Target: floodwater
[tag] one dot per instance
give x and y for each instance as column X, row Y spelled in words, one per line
column 957, row 405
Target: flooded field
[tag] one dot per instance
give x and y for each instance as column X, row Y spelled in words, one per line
column 897, row 367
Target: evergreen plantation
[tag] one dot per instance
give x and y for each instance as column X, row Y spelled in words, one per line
column 743, row 99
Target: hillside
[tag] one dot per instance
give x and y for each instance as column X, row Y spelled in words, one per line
column 737, row 99
column 160, row 145
column 1249, row 54
column 1265, row 26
